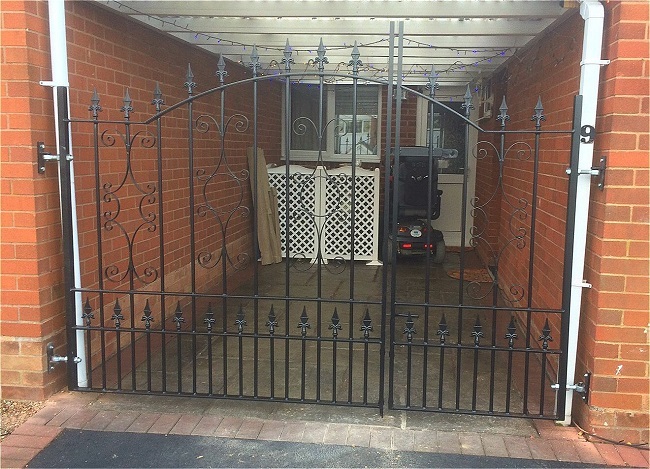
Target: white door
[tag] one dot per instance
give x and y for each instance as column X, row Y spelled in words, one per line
column 447, row 130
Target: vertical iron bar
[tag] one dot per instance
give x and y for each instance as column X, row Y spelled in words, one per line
column 509, row 381
column 542, row 386
column 256, row 207
column 334, row 370
column 224, row 272
column 531, row 262
column 409, row 362
column 287, row 199
column 475, row 378
column 319, row 234
column 148, row 332
column 190, row 137
column 427, row 270
column 127, row 133
column 179, row 363
column 100, row 252
column 568, row 256
column 365, row 372
column 441, row 376
column 161, row 248
column 463, row 229
column 395, row 193
column 210, row 385
column 241, row 364
column 272, row 364
column 353, row 193
column 66, row 185
column 303, row 371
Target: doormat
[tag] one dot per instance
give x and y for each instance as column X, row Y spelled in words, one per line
column 472, row 275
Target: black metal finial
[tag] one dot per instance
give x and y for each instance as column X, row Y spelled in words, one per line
column 539, row 116
column 287, row 60
column 221, row 72
column 443, row 330
column 546, row 335
column 409, row 328
column 117, row 314
column 304, row 324
column 511, row 335
column 87, row 312
column 355, row 63
column 335, row 326
column 189, row 80
column 158, row 100
column 503, row 113
column 477, row 333
column 433, row 85
column 467, row 102
column 94, row 104
column 147, row 316
column 272, row 322
column 240, row 322
column 178, row 316
column 321, row 60
column 209, row 318
column 366, row 326
column 127, row 108
column 255, row 64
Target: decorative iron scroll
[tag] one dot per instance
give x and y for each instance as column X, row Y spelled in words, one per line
column 112, row 194
column 518, row 210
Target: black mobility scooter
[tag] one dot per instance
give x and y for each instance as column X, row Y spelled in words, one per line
column 417, row 181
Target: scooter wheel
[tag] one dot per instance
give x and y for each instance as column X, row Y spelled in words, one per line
column 441, row 251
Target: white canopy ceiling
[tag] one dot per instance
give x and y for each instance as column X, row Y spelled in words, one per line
column 464, row 40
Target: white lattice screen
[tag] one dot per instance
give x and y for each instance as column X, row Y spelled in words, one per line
column 320, row 212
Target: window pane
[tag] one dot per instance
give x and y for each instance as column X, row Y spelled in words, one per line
column 365, row 125
column 448, row 132
column 304, row 111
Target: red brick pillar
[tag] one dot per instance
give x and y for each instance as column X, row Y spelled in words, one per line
column 31, row 303
column 614, row 328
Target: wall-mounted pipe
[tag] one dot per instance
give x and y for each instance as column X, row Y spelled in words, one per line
column 593, row 13
column 59, row 61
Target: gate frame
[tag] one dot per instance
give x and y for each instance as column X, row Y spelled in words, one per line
column 66, row 198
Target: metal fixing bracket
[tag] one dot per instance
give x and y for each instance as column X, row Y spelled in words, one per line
column 581, row 387
column 598, row 171
column 54, row 359
column 42, row 157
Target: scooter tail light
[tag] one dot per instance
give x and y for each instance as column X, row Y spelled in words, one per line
column 407, row 246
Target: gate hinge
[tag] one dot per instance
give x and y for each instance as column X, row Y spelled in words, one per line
column 598, row 171
column 53, row 359
column 581, row 387
column 42, row 157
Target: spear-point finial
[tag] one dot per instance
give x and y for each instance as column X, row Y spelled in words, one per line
column 321, row 60
column 255, row 61
column 433, row 85
column 221, row 72
column 355, row 63
column 94, row 103
column 158, row 100
column 127, row 108
column 503, row 113
column 287, row 60
column 467, row 102
column 539, row 116
column 189, row 80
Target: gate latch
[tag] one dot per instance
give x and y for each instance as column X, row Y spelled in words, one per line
column 42, row 157
column 598, row 171
column 53, row 359
column 581, row 387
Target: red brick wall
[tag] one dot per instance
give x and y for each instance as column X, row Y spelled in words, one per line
column 109, row 54
column 30, row 272
column 613, row 340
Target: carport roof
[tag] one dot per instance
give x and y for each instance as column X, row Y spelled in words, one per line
column 465, row 40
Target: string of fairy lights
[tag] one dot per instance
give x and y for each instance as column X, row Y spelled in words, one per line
column 273, row 67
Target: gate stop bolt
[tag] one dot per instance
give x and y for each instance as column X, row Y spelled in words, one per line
column 53, row 359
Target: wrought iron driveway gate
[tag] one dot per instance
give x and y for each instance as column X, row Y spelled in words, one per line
column 173, row 299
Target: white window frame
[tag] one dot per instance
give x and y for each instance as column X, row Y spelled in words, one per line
column 329, row 155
